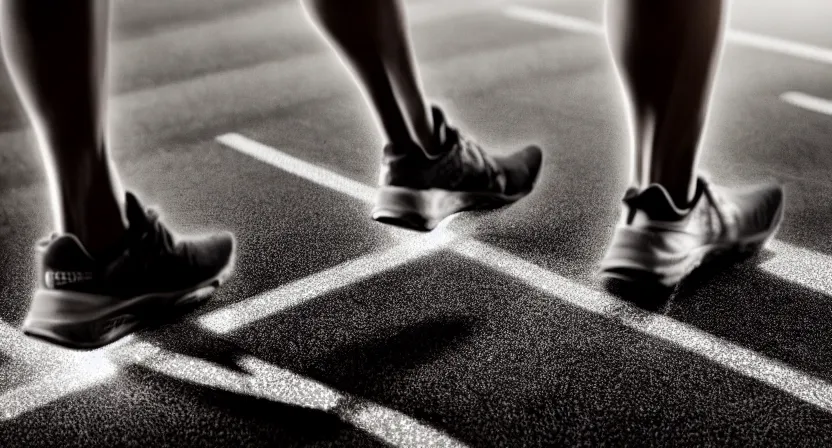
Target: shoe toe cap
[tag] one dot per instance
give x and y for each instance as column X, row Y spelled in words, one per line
column 759, row 208
column 773, row 197
column 224, row 246
column 213, row 253
column 532, row 157
column 522, row 169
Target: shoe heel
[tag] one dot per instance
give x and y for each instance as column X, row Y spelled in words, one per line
column 75, row 320
column 628, row 261
column 420, row 210
column 403, row 207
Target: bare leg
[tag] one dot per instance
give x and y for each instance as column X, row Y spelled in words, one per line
column 57, row 56
column 372, row 34
column 665, row 52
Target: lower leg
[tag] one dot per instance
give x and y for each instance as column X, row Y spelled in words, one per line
column 57, row 58
column 666, row 54
column 373, row 36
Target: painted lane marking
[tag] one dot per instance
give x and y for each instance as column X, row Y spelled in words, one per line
column 729, row 355
column 747, row 39
column 808, row 102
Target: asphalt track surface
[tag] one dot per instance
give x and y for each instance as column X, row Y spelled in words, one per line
column 491, row 331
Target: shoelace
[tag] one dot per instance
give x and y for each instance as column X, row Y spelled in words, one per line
column 472, row 152
column 725, row 211
column 159, row 240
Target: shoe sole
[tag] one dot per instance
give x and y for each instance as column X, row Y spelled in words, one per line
column 627, row 278
column 423, row 210
column 55, row 316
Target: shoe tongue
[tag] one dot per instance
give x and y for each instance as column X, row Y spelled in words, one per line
column 655, row 202
column 440, row 126
column 393, row 152
column 136, row 216
column 444, row 135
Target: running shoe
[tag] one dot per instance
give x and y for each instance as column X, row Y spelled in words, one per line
column 657, row 244
column 417, row 191
column 84, row 303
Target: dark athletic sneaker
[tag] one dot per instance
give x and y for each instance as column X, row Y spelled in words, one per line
column 82, row 303
column 659, row 244
column 417, row 191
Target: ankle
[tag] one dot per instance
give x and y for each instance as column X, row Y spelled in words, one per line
column 98, row 228
column 429, row 135
column 98, row 237
column 427, row 138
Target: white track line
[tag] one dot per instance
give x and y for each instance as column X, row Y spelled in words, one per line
column 261, row 306
column 298, row 167
column 731, row 356
column 88, row 369
column 63, row 381
column 752, row 40
column 259, row 379
column 85, row 370
column 26, row 350
column 553, row 20
column 308, row 171
column 726, row 354
column 68, row 372
column 412, row 246
column 395, row 428
column 78, row 371
column 808, row 102
column 264, row 380
column 803, row 267
column 782, row 46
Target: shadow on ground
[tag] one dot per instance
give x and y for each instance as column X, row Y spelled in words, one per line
column 514, row 365
column 486, row 360
column 144, row 408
